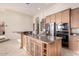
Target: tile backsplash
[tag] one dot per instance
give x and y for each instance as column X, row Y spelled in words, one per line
column 75, row 30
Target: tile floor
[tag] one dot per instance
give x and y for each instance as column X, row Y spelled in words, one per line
column 11, row 48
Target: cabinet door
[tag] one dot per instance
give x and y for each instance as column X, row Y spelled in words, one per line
column 48, row 19
column 51, row 50
column 58, row 18
column 70, row 43
column 38, row 48
column 28, row 44
column 66, row 16
column 54, row 49
column 25, row 42
column 74, row 43
column 32, row 47
column 52, row 18
column 75, row 18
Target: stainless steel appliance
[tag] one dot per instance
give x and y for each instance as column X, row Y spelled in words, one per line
column 47, row 29
column 62, row 31
column 62, row 26
column 50, row 29
column 34, row 29
column 65, row 26
column 59, row 27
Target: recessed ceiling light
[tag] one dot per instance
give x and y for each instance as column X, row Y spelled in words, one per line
column 38, row 8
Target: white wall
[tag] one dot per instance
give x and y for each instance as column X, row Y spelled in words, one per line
column 16, row 22
column 56, row 8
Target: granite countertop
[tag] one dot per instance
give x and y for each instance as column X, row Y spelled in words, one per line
column 46, row 39
column 76, row 37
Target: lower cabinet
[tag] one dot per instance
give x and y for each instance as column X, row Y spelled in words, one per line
column 74, row 44
column 31, row 47
column 54, row 49
column 26, row 44
column 36, row 47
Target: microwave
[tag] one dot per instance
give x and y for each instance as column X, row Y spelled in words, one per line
column 62, row 26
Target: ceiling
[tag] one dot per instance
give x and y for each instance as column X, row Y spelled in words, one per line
column 28, row 8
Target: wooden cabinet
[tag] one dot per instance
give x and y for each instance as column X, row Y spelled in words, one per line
column 28, row 43
column 75, row 18
column 74, row 43
column 31, row 47
column 48, row 19
column 36, row 47
column 52, row 18
column 25, row 42
column 66, row 16
column 61, row 17
column 55, row 48
column 58, row 18
column 52, row 51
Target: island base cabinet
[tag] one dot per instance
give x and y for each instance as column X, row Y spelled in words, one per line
column 31, row 47
column 38, row 50
column 54, row 49
column 36, row 47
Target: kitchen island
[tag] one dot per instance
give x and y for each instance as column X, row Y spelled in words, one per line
column 42, row 45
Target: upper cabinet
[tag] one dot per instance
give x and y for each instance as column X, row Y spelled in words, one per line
column 75, row 18
column 48, row 19
column 61, row 17
column 66, row 16
column 52, row 18
column 58, row 18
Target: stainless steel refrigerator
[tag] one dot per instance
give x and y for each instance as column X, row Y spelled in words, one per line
column 50, row 29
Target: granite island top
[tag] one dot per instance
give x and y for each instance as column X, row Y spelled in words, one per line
column 45, row 39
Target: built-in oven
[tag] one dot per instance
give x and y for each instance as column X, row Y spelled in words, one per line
column 62, row 31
